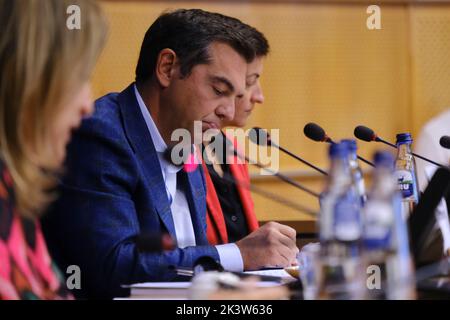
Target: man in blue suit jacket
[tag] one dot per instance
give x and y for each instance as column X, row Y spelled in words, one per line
column 118, row 184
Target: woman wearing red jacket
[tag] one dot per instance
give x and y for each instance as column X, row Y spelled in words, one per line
column 230, row 209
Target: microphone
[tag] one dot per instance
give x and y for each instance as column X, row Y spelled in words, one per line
column 261, row 137
column 317, row 133
column 229, row 146
column 445, row 142
column 367, row 134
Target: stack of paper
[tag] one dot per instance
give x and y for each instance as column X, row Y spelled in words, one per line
column 160, row 290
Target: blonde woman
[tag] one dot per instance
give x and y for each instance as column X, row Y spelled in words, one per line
column 44, row 94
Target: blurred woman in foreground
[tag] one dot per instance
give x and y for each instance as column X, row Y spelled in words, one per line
column 44, row 94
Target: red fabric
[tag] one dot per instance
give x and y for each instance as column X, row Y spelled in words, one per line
column 216, row 227
column 26, row 269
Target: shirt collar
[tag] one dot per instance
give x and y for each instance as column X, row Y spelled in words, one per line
column 158, row 141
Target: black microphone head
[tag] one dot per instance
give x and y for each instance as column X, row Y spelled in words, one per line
column 365, row 134
column 445, row 142
column 259, row 136
column 314, row 132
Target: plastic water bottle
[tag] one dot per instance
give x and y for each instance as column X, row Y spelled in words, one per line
column 389, row 266
column 405, row 172
column 355, row 170
column 342, row 273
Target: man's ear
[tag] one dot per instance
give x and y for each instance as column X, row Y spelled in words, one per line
column 166, row 66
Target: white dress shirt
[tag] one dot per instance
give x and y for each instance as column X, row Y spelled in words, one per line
column 229, row 254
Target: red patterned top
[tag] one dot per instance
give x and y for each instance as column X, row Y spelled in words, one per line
column 26, row 269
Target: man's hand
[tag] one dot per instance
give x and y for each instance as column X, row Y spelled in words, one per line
column 272, row 245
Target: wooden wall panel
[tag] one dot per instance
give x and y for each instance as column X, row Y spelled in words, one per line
column 430, row 52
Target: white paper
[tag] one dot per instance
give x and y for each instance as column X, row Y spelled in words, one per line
column 161, row 285
column 272, row 273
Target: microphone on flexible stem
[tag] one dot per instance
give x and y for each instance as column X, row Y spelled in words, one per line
column 366, row 134
column 229, row 146
column 316, row 133
column 262, row 138
column 266, row 194
column 189, row 167
column 445, row 142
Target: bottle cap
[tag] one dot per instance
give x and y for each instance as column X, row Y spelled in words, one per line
column 338, row 150
column 404, row 138
column 351, row 144
column 384, row 159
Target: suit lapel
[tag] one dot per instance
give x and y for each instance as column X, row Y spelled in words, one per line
column 141, row 141
column 197, row 203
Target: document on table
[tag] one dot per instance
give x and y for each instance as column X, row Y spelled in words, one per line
column 170, row 290
column 159, row 290
column 280, row 273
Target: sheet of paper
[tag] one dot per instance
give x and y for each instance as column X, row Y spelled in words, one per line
column 161, row 285
column 186, row 285
column 271, row 272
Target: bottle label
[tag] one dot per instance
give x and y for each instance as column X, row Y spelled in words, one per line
column 405, row 183
column 379, row 219
column 326, row 217
column 347, row 222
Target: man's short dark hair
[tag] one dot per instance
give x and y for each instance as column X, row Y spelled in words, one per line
column 189, row 33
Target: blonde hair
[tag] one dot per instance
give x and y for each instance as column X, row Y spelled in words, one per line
column 42, row 65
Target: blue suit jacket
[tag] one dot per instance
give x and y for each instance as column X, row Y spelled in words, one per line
column 113, row 190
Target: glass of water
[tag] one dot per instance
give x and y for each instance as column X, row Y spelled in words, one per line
column 309, row 268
